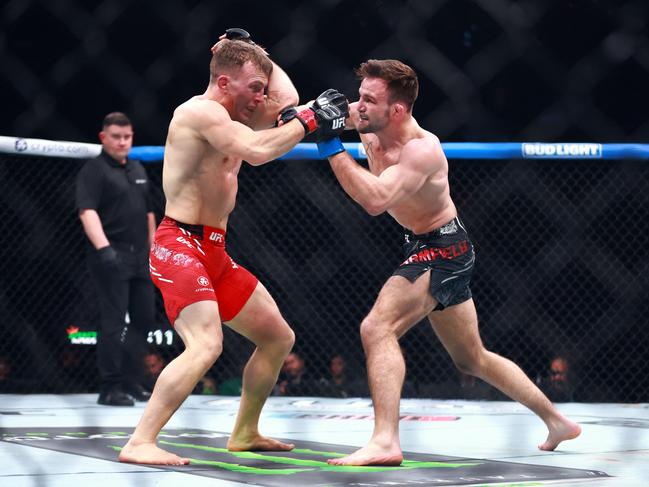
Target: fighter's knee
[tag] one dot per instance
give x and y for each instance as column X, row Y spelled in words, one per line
column 276, row 337
column 291, row 337
column 465, row 367
column 287, row 339
column 208, row 350
column 371, row 329
column 214, row 350
column 470, row 364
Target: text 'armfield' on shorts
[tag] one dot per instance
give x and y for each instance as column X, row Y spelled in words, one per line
column 448, row 253
column 188, row 263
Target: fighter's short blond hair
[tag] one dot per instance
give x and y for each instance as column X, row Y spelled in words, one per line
column 228, row 54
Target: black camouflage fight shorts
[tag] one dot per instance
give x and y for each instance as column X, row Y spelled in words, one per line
column 448, row 253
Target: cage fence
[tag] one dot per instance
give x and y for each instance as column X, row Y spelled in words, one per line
column 561, row 271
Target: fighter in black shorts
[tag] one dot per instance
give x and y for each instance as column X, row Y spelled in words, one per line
column 448, row 253
column 407, row 177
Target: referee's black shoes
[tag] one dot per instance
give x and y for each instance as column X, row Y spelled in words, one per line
column 115, row 397
column 137, row 392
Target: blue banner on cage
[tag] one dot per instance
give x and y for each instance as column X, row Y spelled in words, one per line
column 453, row 150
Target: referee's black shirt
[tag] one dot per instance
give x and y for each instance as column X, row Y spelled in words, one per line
column 120, row 195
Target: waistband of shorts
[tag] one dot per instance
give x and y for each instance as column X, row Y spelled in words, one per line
column 450, row 228
column 204, row 232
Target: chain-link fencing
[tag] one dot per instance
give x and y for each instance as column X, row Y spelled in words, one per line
column 561, row 245
column 562, row 266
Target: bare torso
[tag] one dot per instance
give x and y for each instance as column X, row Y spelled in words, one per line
column 431, row 205
column 199, row 182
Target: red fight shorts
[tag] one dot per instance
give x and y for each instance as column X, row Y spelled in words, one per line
column 188, row 263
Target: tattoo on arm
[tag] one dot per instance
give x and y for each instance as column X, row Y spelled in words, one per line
column 369, row 152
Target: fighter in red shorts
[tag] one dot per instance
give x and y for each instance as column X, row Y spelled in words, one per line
column 209, row 137
column 189, row 264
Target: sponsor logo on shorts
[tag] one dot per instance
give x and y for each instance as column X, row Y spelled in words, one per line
column 448, row 253
column 216, row 237
column 183, row 240
column 570, row 150
column 448, row 229
column 204, row 283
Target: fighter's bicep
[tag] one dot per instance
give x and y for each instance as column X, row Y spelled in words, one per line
column 401, row 181
column 229, row 137
column 415, row 165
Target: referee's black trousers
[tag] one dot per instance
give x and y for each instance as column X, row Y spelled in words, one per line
column 123, row 288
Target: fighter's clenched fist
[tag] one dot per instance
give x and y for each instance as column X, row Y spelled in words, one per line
column 326, row 116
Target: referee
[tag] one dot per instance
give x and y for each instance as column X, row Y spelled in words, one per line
column 112, row 196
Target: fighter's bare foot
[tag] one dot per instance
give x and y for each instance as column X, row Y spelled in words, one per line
column 563, row 430
column 371, row 455
column 149, row 454
column 258, row 443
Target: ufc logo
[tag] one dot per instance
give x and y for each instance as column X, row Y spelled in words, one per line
column 338, row 123
column 216, row 237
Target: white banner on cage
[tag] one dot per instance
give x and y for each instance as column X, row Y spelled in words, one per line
column 568, row 150
column 303, row 151
column 50, row 148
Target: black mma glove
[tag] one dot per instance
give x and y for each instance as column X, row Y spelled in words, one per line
column 328, row 143
column 326, row 117
column 286, row 115
column 236, row 34
column 108, row 258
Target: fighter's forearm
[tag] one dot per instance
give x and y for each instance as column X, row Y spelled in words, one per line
column 361, row 185
column 269, row 144
column 281, row 90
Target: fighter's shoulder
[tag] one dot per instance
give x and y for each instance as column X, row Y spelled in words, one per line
column 424, row 143
column 199, row 110
column 424, row 151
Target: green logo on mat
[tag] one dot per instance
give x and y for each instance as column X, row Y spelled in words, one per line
column 303, row 464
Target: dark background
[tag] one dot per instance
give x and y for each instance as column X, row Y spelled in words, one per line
column 562, row 245
column 489, row 70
